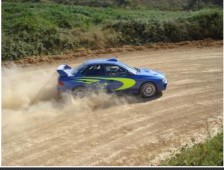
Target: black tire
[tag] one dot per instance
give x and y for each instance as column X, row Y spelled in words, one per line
column 79, row 92
column 148, row 90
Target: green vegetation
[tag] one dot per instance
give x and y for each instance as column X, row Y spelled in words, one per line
column 50, row 28
column 209, row 153
column 198, row 26
column 135, row 4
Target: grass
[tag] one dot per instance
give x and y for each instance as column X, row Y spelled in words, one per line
column 209, row 153
column 48, row 28
column 200, row 25
column 135, row 4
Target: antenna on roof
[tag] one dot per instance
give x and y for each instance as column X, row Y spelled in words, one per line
column 112, row 59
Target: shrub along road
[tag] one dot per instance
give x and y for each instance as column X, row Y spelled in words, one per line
column 45, row 28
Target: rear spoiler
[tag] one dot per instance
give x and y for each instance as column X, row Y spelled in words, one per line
column 64, row 70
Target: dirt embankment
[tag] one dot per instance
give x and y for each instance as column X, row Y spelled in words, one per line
column 82, row 52
column 113, row 130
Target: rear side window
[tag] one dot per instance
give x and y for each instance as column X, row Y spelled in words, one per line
column 94, row 70
column 79, row 68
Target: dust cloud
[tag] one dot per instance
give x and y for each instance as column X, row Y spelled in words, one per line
column 30, row 98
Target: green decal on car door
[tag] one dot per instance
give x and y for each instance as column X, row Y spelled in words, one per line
column 126, row 83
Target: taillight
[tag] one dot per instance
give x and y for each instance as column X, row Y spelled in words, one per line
column 60, row 83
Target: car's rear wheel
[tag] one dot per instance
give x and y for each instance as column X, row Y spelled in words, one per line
column 148, row 89
column 79, row 92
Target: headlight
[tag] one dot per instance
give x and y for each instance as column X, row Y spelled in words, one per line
column 164, row 80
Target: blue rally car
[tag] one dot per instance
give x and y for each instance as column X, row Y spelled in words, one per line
column 111, row 75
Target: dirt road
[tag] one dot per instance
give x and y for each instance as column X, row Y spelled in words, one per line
column 110, row 130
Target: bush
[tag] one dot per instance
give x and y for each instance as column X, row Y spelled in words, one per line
column 201, row 26
column 43, row 28
column 209, row 153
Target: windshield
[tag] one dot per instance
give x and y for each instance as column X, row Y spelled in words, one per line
column 130, row 69
column 75, row 70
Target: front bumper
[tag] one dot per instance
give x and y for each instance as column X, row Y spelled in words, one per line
column 162, row 86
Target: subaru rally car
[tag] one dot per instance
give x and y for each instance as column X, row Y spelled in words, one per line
column 111, row 75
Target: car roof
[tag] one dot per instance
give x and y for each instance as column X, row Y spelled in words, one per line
column 102, row 61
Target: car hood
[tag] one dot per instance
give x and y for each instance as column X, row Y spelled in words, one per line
column 148, row 72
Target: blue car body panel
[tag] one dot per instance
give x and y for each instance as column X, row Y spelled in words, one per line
column 127, row 80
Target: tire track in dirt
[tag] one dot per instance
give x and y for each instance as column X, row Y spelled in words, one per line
column 135, row 132
column 143, row 123
column 123, row 117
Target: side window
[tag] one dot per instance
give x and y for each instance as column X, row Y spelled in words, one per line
column 114, row 70
column 94, row 70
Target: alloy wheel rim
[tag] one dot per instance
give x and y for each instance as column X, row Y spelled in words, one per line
column 149, row 90
column 79, row 93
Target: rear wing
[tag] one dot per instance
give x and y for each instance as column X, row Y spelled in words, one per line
column 64, row 70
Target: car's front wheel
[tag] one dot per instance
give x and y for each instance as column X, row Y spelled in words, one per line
column 79, row 92
column 148, row 89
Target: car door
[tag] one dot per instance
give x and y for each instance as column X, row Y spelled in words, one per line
column 94, row 77
column 118, row 78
